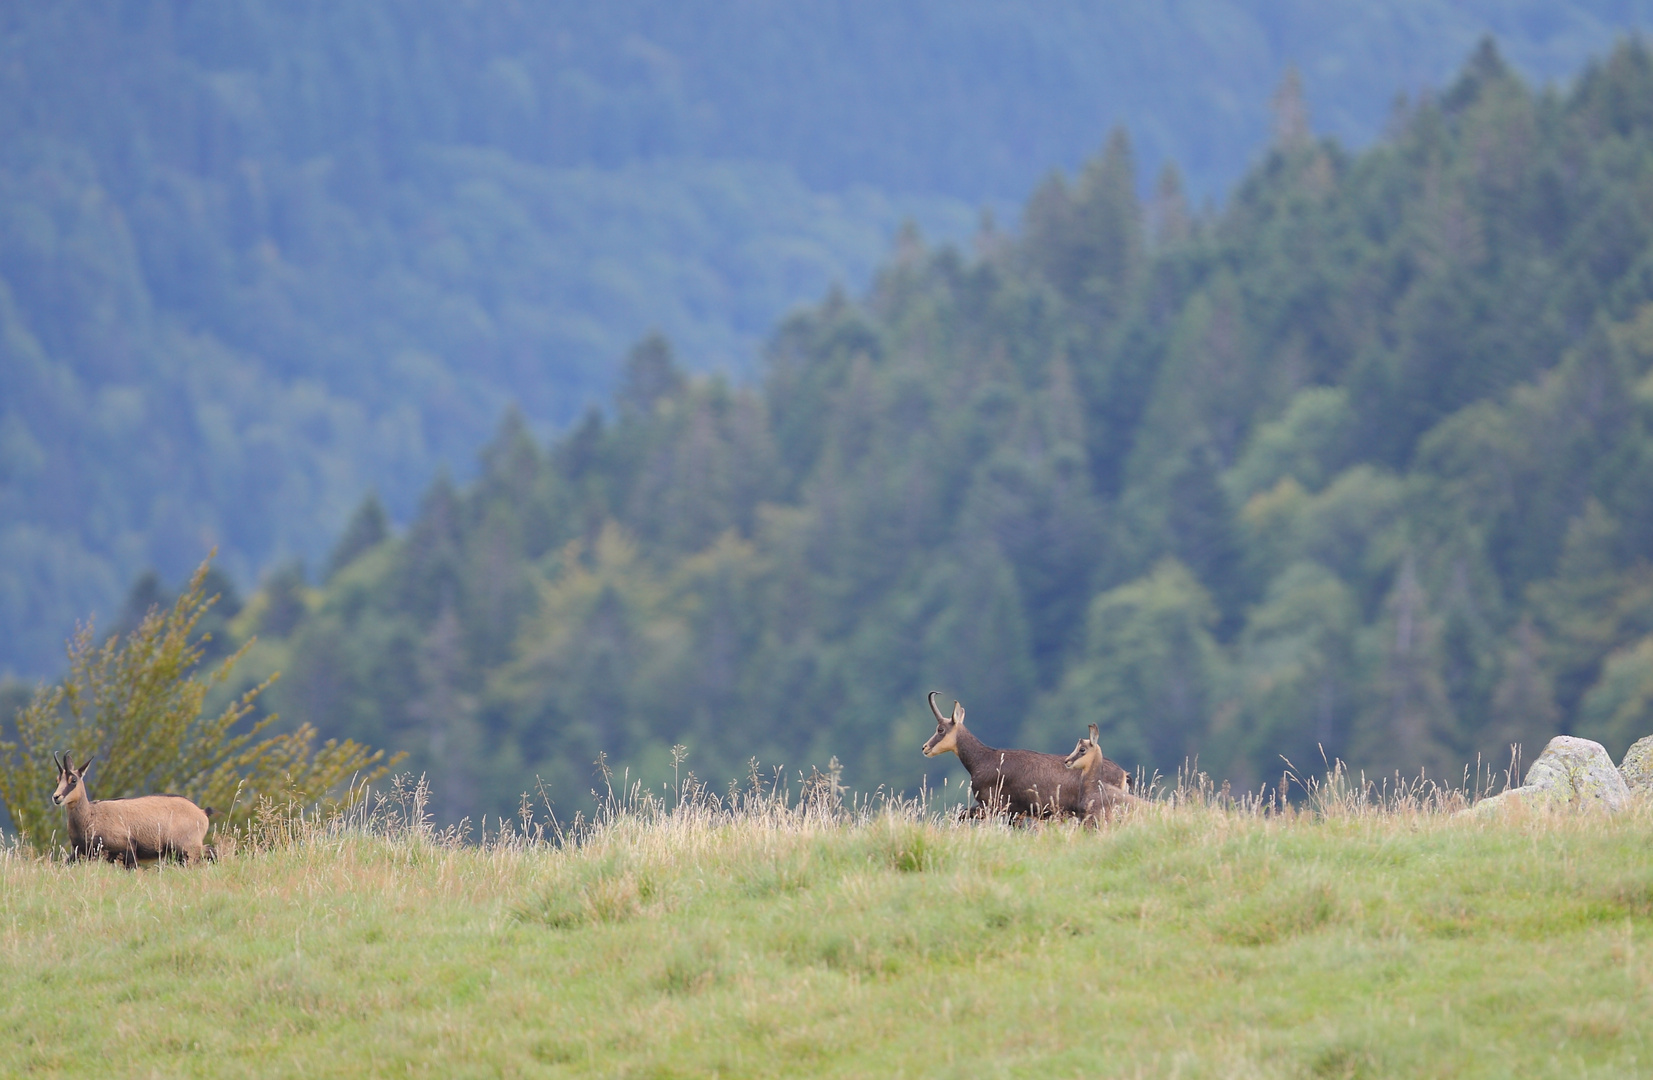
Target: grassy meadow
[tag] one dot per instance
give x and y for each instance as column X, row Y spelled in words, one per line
column 1193, row 940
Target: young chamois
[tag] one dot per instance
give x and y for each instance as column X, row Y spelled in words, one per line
column 127, row 830
column 1109, row 772
column 1006, row 781
column 1103, row 784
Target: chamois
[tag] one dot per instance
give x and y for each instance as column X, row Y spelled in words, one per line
column 1007, row 781
column 126, row 830
column 1109, row 772
column 1099, row 791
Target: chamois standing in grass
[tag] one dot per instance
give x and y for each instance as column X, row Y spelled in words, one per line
column 1013, row 782
column 127, row 830
column 1103, row 784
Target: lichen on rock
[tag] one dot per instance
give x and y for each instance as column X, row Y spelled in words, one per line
column 1637, row 767
column 1570, row 773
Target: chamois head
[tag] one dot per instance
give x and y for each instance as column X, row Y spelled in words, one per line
column 71, row 782
column 946, row 738
column 1085, row 752
column 1087, row 757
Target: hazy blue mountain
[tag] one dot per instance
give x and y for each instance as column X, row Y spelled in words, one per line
column 1359, row 467
column 258, row 258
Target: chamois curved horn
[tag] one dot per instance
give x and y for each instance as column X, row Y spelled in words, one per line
column 940, row 719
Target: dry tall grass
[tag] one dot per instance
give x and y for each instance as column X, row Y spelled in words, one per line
column 775, row 929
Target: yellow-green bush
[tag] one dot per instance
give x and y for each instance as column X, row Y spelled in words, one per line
column 137, row 704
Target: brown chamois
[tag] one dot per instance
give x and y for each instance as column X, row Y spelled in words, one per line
column 127, row 830
column 1100, row 793
column 1006, row 781
column 1109, row 772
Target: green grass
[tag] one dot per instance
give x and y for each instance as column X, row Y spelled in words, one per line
column 1186, row 942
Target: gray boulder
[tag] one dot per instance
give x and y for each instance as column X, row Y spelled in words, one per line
column 1571, row 773
column 1637, row 767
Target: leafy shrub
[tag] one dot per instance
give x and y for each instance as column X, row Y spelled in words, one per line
column 138, row 705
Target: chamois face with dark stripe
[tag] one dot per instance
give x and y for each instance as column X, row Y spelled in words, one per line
column 71, row 782
column 1087, row 757
column 1084, row 752
column 946, row 738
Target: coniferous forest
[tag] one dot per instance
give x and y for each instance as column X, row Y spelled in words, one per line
column 258, row 258
column 1360, row 465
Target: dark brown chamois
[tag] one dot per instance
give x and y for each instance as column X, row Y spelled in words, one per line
column 1006, row 781
column 127, row 830
column 1100, row 794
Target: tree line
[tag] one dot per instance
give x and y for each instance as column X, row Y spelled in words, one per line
column 256, row 258
column 1359, row 465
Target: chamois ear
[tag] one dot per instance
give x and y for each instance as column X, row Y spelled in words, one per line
column 1094, row 737
column 958, row 713
column 87, row 764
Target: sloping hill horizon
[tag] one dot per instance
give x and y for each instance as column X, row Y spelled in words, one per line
column 257, row 260
column 1359, row 466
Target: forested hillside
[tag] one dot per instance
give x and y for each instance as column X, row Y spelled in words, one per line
column 257, row 258
column 1362, row 462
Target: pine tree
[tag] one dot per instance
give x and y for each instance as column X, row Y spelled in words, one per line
column 649, row 375
column 369, row 526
